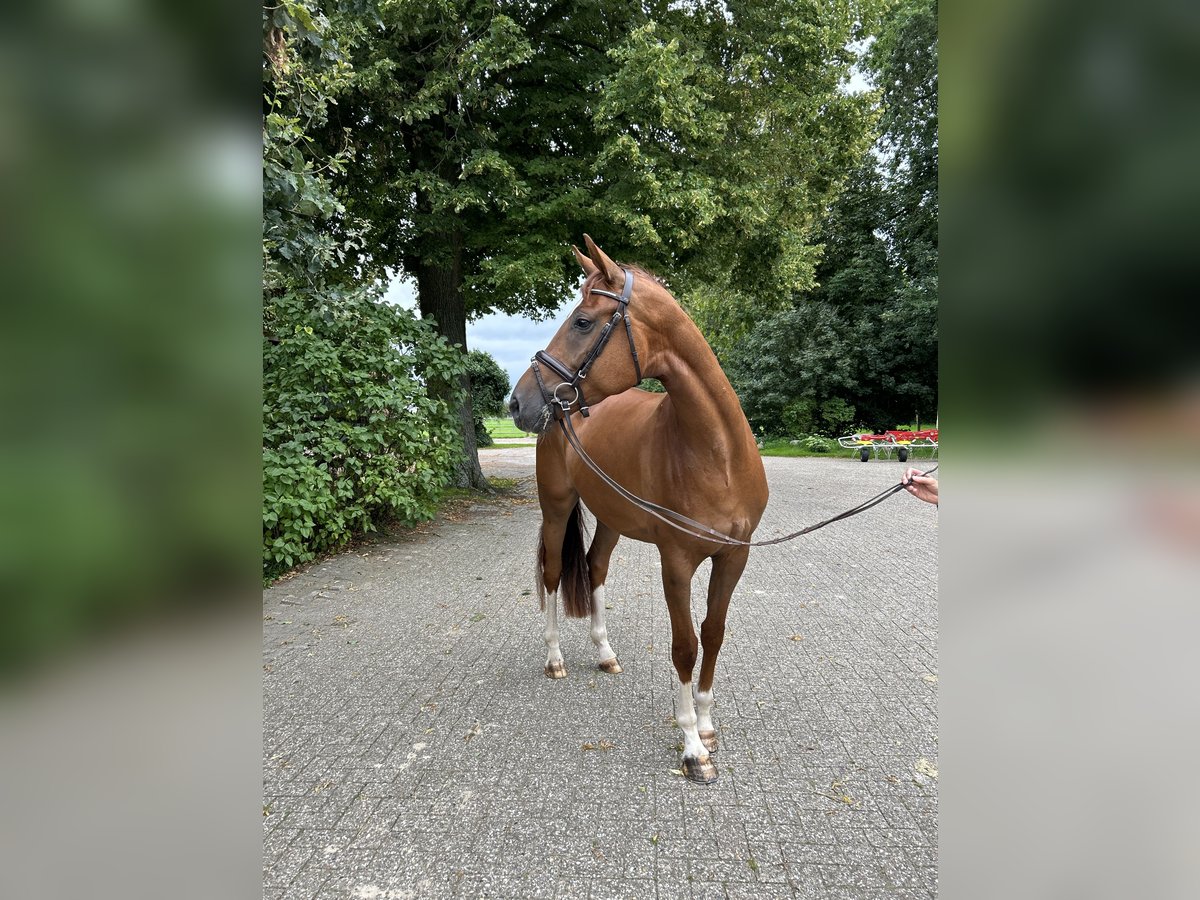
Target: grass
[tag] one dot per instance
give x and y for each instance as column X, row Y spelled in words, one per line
column 504, row 428
column 785, row 448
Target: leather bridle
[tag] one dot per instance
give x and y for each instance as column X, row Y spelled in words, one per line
column 575, row 379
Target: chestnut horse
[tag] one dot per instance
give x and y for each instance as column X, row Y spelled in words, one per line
column 690, row 450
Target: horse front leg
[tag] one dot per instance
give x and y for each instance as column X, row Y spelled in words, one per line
column 677, row 571
column 726, row 572
column 550, row 565
column 555, row 666
column 599, row 553
column 562, row 564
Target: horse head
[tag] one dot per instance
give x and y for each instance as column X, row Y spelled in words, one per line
column 574, row 370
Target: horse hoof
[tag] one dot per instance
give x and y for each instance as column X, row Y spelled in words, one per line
column 701, row 771
column 611, row 666
column 556, row 670
column 709, row 740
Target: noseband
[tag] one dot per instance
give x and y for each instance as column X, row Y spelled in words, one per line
column 575, row 379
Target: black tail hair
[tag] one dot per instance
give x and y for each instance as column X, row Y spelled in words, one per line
column 575, row 583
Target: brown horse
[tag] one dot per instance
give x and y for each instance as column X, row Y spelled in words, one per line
column 690, row 450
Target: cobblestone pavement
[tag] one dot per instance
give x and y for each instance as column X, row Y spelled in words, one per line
column 413, row 747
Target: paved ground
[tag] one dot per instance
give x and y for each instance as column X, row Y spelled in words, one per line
column 413, row 747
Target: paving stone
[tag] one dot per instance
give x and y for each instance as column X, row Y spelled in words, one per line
column 413, row 747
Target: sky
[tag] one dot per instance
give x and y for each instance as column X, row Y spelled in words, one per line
column 511, row 340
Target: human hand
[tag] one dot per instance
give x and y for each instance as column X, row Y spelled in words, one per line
column 923, row 487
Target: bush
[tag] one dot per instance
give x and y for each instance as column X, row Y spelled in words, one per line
column 351, row 437
column 818, row 444
column 837, row 414
column 797, row 417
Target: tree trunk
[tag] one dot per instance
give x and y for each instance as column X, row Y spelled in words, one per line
column 439, row 294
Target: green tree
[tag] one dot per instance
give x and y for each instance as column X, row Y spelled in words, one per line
column 489, row 383
column 905, row 61
column 351, row 436
column 702, row 139
column 860, row 347
column 792, row 370
column 489, row 391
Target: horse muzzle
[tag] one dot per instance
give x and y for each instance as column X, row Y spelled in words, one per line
column 528, row 409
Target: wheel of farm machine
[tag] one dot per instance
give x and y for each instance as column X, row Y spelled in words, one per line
column 903, row 454
column 864, row 454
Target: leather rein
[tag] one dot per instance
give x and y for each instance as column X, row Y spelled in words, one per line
column 562, row 415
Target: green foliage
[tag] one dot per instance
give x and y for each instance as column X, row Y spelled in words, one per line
column 725, row 135
column 351, row 436
column 805, row 413
column 819, row 444
column 700, row 139
column 489, row 390
column 837, row 414
column 351, row 439
column 489, row 384
column 465, row 115
column 788, row 368
column 482, row 437
column 302, row 74
column 905, row 60
column 861, row 345
column 703, row 139
column 797, row 416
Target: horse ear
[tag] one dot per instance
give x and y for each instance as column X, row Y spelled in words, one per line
column 612, row 272
column 588, row 266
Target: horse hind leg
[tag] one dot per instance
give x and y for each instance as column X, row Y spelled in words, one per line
column 726, row 571
column 598, row 556
column 677, row 574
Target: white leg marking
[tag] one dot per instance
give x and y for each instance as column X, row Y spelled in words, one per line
column 554, row 657
column 704, row 711
column 599, row 630
column 685, row 715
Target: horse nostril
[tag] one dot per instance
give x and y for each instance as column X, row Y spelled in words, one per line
column 514, row 405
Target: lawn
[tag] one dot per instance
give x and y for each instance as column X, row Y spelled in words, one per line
column 504, row 428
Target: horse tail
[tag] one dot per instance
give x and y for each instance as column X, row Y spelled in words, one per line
column 575, row 583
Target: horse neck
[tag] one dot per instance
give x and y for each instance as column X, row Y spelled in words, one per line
column 704, row 403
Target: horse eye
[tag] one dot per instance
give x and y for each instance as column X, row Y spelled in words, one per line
column 583, row 324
